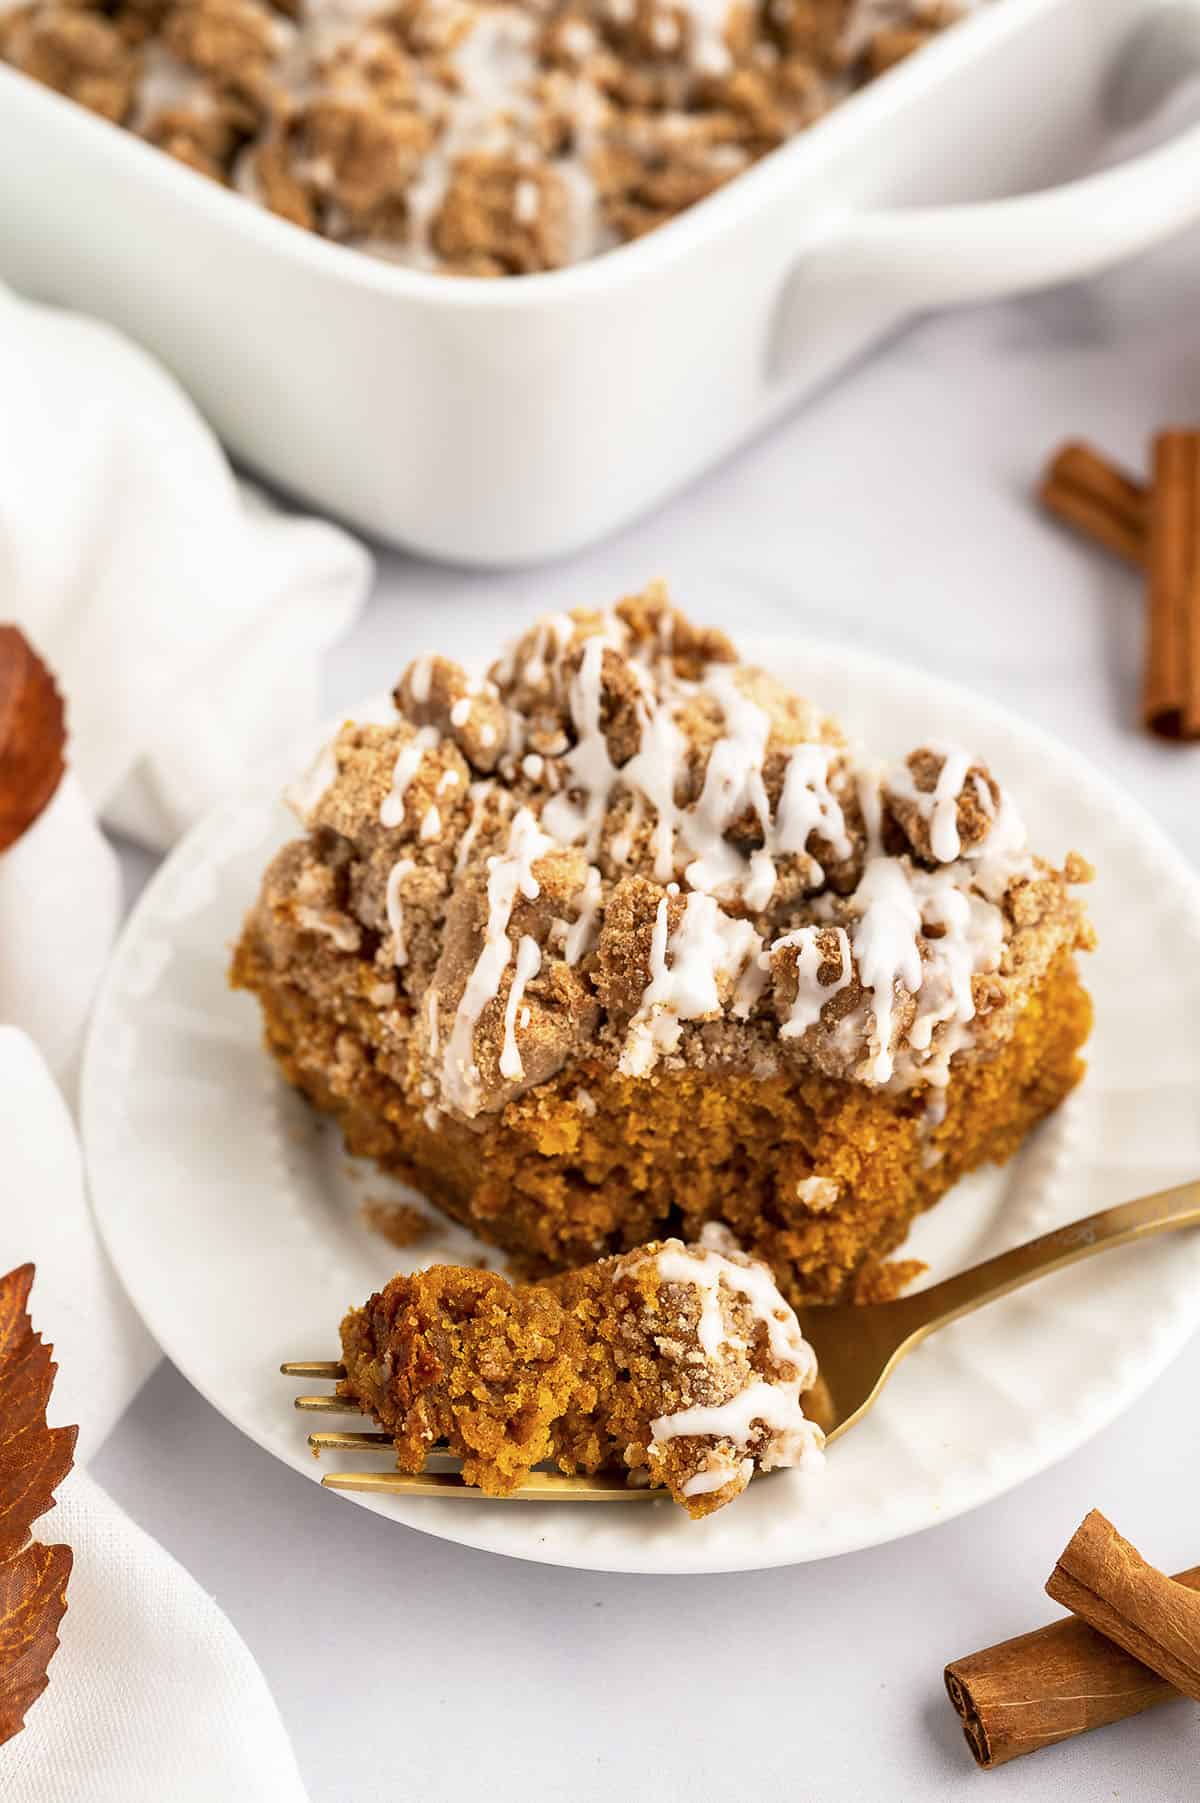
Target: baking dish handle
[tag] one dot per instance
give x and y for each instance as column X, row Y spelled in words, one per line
column 912, row 258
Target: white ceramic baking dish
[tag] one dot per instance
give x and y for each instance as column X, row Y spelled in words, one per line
column 508, row 421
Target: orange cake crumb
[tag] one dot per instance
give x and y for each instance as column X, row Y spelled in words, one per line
column 400, row 1223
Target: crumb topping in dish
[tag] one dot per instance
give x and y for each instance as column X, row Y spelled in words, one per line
column 651, row 854
column 474, row 137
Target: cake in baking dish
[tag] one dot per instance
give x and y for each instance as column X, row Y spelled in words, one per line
column 681, row 1364
column 625, row 939
column 471, row 137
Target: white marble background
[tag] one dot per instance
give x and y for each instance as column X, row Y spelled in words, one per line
column 895, row 513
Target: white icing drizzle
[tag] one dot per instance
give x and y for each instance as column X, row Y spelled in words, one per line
column 165, row 85
column 589, row 767
column 420, row 680
column 333, row 925
column 937, row 807
column 944, row 839
column 896, row 902
column 431, row 826
column 708, row 51
column 527, row 198
column 621, row 843
column 514, row 744
column 868, row 785
column 706, row 947
column 578, row 38
column 808, row 805
column 734, row 784
column 708, row 1271
column 946, row 985
column 764, row 1412
column 1002, row 856
column 773, row 1406
column 811, row 993
column 407, row 764
column 529, row 962
column 652, row 772
column 720, row 1470
column 750, row 985
column 865, row 17
column 395, row 910
column 431, row 1019
column 971, row 942
column 494, row 68
column 581, row 934
column 509, row 874
column 735, row 774
column 552, row 633
column 305, row 794
column 478, row 793
column 886, row 950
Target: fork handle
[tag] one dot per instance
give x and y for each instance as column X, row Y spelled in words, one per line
column 1162, row 1212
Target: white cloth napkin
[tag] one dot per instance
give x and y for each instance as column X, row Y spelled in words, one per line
column 153, row 1697
column 183, row 615
column 60, row 906
column 184, row 619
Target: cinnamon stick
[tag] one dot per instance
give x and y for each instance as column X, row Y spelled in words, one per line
column 1050, row 1685
column 1083, row 488
column 1171, row 690
column 1105, row 1581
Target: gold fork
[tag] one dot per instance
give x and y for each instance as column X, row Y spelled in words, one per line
column 857, row 1348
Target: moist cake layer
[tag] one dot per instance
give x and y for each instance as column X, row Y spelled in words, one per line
column 820, row 1178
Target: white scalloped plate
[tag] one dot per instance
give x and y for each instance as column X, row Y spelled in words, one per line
column 231, row 1212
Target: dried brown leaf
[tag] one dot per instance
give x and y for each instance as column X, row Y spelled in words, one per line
column 33, row 735
column 34, row 1459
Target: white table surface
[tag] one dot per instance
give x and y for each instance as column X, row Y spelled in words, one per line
column 894, row 512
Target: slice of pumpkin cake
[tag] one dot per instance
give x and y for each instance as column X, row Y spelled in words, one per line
column 625, row 938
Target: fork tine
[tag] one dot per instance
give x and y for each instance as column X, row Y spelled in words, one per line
column 539, row 1486
column 330, row 1442
column 439, row 1458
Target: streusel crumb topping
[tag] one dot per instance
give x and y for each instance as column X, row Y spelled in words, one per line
column 475, row 137
column 625, row 847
